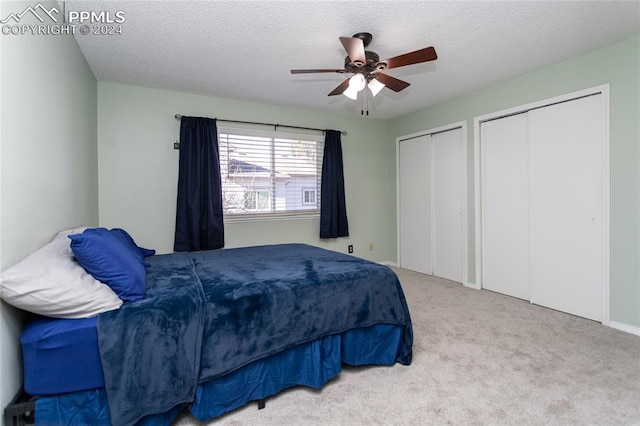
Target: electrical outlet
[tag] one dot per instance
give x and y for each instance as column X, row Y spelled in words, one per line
column 350, row 248
column 370, row 246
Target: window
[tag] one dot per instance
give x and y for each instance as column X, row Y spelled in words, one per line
column 308, row 196
column 267, row 174
column 256, row 201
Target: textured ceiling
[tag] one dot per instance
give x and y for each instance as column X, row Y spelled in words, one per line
column 244, row 50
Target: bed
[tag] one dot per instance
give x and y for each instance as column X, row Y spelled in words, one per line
column 215, row 330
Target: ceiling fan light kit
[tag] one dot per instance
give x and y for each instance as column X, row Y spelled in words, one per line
column 375, row 86
column 351, row 93
column 357, row 82
column 366, row 67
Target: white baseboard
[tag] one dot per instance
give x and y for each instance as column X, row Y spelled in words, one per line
column 470, row 285
column 389, row 263
column 625, row 327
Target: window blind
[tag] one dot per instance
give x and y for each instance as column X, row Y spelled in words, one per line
column 269, row 175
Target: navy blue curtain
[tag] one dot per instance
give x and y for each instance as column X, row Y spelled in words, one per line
column 333, row 209
column 199, row 223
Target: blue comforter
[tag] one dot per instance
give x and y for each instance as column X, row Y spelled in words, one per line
column 208, row 313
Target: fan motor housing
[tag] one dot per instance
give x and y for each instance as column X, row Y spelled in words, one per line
column 373, row 63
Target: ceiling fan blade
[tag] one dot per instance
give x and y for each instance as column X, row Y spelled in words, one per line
column 340, row 71
column 340, row 89
column 355, row 49
column 392, row 82
column 423, row 55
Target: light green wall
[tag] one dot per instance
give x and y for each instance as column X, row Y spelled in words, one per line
column 138, row 170
column 48, row 178
column 57, row 129
column 619, row 65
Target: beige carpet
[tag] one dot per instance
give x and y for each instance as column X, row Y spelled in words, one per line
column 479, row 358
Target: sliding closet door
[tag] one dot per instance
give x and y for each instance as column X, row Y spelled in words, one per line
column 505, row 206
column 414, row 199
column 565, row 151
column 448, row 190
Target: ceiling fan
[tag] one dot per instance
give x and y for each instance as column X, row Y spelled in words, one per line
column 366, row 67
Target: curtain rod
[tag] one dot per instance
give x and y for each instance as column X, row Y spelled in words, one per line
column 344, row 133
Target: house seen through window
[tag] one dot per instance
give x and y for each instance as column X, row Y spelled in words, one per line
column 269, row 175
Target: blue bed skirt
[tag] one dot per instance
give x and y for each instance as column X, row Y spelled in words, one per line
column 311, row 364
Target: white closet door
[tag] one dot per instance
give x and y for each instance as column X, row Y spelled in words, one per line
column 505, row 206
column 448, row 190
column 415, row 204
column 565, row 151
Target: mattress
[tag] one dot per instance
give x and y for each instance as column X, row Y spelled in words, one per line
column 60, row 356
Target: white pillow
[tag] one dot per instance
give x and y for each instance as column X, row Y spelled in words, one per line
column 50, row 282
column 65, row 234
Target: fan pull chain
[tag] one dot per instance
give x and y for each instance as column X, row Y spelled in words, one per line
column 365, row 103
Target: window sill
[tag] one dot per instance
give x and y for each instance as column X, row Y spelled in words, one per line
column 270, row 217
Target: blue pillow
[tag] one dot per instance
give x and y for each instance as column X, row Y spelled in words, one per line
column 108, row 260
column 126, row 239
